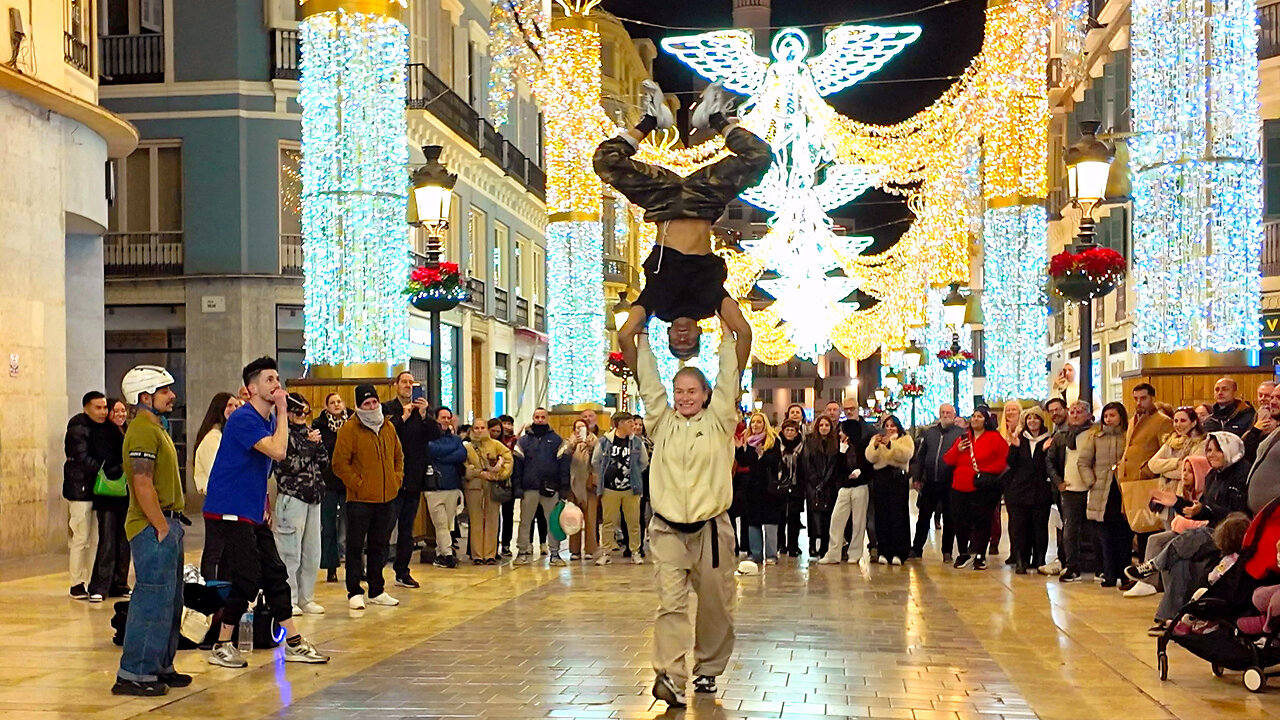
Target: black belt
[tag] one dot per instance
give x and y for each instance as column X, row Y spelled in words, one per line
column 176, row 515
column 693, row 527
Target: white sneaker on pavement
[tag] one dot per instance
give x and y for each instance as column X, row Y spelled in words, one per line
column 296, row 611
column 226, row 654
column 636, row 559
column 304, row 652
column 828, row 560
column 384, row 600
column 604, row 560
column 313, row 608
column 355, row 602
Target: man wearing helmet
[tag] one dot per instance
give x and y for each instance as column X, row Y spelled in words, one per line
column 153, row 526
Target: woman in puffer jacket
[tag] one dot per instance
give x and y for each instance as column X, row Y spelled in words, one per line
column 889, row 453
column 1028, row 493
column 1101, row 447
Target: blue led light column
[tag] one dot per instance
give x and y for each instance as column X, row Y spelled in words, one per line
column 1197, row 175
column 354, row 186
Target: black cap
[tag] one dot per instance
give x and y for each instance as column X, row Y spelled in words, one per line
column 364, row 392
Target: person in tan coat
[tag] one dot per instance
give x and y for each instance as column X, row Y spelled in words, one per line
column 1101, row 447
column 489, row 463
column 1147, row 431
column 367, row 456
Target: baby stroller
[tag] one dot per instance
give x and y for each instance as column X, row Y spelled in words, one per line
column 1207, row 627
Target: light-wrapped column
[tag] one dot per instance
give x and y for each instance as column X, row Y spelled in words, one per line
column 354, row 187
column 1197, row 175
column 1015, row 226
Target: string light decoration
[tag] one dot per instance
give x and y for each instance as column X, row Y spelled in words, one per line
column 517, row 31
column 929, row 159
column 1197, row 175
column 1016, row 331
column 804, row 181
column 354, row 187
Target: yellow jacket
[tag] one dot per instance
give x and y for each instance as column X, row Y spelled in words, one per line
column 487, row 454
column 691, row 468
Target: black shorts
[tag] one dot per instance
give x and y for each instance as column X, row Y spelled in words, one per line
column 679, row 285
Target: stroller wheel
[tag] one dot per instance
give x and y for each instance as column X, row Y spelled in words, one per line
column 1254, row 680
column 1217, row 670
column 1162, row 662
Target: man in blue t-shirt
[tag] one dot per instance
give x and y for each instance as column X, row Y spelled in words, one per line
column 236, row 511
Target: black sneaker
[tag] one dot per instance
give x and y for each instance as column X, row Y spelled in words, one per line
column 979, row 562
column 1069, row 575
column 174, row 679
column 962, row 561
column 915, row 554
column 1109, row 583
column 78, row 592
column 667, row 692
column 704, row 684
column 451, row 561
column 1140, row 572
column 406, row 581
column 440, row 561
column 331, row 576
column 1011, row 560
column 140, row 689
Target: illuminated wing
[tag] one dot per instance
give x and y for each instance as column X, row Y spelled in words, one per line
column 855, row 51
column 727, row 56
column 844, row 183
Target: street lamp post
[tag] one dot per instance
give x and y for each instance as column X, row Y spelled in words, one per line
column 1088, row 165
column 953, row 307
column 913, row 357
column 432, row 195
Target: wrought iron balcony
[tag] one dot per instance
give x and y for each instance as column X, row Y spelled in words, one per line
column 1271, row 248
column 522, row 312
column 130, row 59
column 290, row 254
column 501, row 304
column 539, row 318
column 144, row 254
column 77, row 53
column 286, row 55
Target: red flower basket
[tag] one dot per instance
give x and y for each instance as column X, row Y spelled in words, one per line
column 616, row 365
column 436, row 287
column 1080, row 277
column 913, row 390
column 955, row 362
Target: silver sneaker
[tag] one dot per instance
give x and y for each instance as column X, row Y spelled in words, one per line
column 305, row 652
column 715, row 99
column 225, row 654
column 654, row 103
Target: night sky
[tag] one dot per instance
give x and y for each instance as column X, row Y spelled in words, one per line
column 952, row 35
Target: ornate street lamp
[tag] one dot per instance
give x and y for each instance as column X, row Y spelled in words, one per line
column 432, row 197
column 1088, row 166
column 953, row 312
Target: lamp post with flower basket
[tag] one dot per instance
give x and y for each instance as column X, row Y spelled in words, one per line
column 1087, row 271
column 616, row 365
column 435, row 286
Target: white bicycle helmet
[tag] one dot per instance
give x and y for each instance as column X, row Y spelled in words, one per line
column 144, row 379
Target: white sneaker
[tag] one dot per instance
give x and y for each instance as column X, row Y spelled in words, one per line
column 226, row 654
column 884, row 560
column 747, row 567
column 304, row 652
column 384, row 600
column 604, row 560
column 897, row 561
column 355, row 602
column 1053, row 568
column 1140, row 589
column 828, row 560
column 313, row 608
column 715, row 99
column 771, row 561
column 637, row 559
column 654, row 103
column 296, row 611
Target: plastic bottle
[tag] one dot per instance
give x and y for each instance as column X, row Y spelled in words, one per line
column 245, row 637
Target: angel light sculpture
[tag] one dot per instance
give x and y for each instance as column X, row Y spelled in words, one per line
column 805, row 181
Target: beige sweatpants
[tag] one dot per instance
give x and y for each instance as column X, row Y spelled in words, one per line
column 614, row 503
column 684, row 565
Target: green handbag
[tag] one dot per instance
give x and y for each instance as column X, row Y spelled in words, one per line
column 106, row 487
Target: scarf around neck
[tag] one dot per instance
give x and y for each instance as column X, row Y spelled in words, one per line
column 335, row 422
column 756, row 440
column 371, row 419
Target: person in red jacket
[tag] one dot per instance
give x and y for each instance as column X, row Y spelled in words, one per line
column 980, row 450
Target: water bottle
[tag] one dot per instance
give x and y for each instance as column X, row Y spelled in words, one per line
column 245, row 642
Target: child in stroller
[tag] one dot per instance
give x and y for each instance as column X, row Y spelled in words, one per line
column 1221, row 623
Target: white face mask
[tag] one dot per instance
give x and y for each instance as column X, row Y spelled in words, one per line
column 372, row 419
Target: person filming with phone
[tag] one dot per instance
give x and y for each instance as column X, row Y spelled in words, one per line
column 415, row 426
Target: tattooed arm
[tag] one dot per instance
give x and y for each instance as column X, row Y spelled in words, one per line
column 142, row 485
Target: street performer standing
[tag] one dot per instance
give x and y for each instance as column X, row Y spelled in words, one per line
column 690, row 488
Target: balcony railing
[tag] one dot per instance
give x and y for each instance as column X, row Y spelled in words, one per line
column 430, row 93
column 77, row 53
column 290, row 254
column 501, row 303
column 1268, row 31
column 539, row 318
column 286, row 55
column 146, row 254
column 128, row 59
column 477, row 300
column 617, row 270
column 1271, row 248
column 522, row 312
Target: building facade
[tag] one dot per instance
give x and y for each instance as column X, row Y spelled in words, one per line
column 204, row 255
column 54, row 211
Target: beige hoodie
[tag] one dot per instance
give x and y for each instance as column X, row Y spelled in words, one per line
column 691, row 469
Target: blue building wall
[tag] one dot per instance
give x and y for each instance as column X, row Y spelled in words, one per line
column 220, row 40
